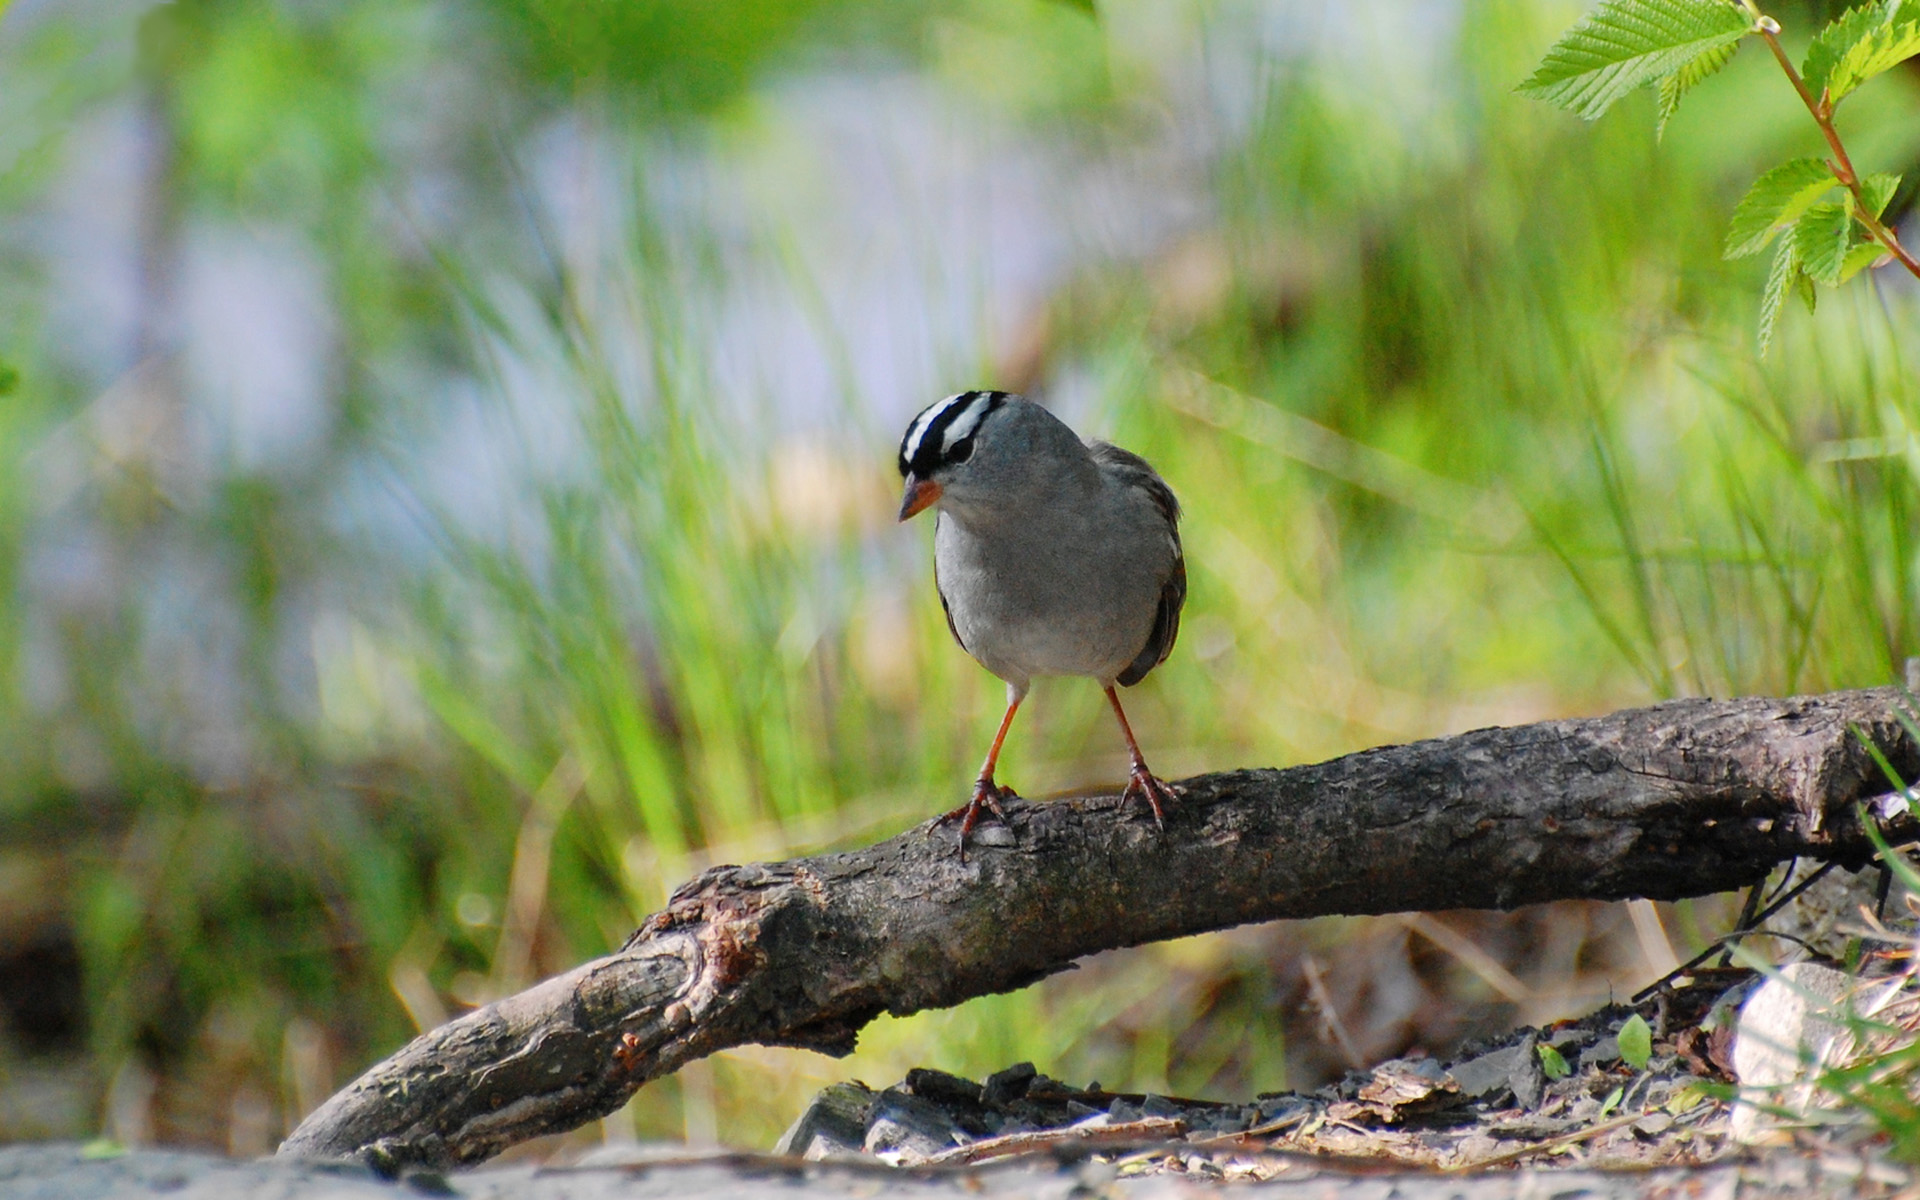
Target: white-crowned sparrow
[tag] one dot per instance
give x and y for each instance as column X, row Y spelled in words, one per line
column 1052, row 556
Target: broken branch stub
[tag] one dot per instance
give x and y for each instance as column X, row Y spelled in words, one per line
column 1681, row 799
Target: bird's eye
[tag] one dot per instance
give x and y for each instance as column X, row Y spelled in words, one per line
column 962, row 452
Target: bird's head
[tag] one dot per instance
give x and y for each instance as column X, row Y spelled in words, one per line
column 979, row 451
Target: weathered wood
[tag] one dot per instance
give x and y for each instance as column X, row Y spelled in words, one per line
column 1682, row 799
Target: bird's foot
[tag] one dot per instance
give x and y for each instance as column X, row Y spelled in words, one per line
column 986, row 795
column 1142, row 783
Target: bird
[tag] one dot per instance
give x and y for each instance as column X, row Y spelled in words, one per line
column 1052, row 556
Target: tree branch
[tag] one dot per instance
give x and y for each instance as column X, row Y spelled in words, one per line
column 1683, row 799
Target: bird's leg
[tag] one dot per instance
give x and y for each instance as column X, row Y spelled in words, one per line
column 986, row 793
column 1140, row 780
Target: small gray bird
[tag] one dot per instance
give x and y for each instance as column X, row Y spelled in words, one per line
column 1052, row 556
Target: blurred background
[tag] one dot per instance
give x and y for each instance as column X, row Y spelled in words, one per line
column 447, row 491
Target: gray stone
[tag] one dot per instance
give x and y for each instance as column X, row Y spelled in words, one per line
column 1602, row 1051
column 1487, row 1074
column 902, row 1127
column 834, row 1123
column 1794, row 1026
column 1528, row 1078
column 1273, row 1108
column 942, row 1088
column 1010, row 1084
column 1160, row 1106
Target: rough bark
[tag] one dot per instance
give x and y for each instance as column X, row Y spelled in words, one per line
column 1682, row 799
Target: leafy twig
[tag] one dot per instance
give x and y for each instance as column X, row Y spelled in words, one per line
column 1822, row 111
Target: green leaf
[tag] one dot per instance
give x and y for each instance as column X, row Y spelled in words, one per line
column 1822, row 237
column 1554, row 1066
column 1672, row 87
column 1838, row 36
column 1861, row 44
column 1808, row 293
column 1610, row 1103
column 1786, row 269
column 1776, row 201
column 1636, row 1042
column 1879, row 190
column 1690, row 1094
column 1626, row 43
column 1860, row 258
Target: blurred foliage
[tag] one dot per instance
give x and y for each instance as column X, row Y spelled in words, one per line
column 317, row 736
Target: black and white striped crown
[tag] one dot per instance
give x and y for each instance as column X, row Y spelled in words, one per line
column 943, row 432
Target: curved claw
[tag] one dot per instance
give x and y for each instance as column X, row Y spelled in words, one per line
column 1141, row 782
column 986, row 794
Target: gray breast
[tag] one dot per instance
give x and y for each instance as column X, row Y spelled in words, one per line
column 1068, row 590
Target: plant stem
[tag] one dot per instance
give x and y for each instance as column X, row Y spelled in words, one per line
column 1822, row 112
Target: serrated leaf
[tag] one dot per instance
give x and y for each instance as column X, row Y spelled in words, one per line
column 1786, row 267
column 1774, row 202
column 1821, row 237
column 1878, row 190
column 1860, row 258
column 1860, row 44
column 1835, row 38
column 1552, row 1065
column 1803, row 286
column 1626, row 43
column 1672, row 87
column 1636, row 1042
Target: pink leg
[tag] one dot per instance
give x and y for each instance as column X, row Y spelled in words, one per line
column 986, row 793
column 1140, row 780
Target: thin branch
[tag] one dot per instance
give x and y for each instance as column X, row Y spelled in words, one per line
column 1821, row 109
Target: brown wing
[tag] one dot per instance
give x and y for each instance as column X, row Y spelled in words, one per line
column 1139, row 473
column 1166, row 627
column 1136, row 472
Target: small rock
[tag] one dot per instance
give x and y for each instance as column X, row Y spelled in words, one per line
column 942, row 1088
column 1124, row 1110
column 1010, row 1084
column 1794, row 1026
column 1528, row 1078
column 834, row 1123
column 1272, row 1108
column 1489, row 1073
column 902, row 1127
column 1604, row 1050
column 1231, row 1119
column 1654, row 1124
column 1160, row 1106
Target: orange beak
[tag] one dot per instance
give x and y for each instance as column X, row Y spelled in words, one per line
column 921, row 493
